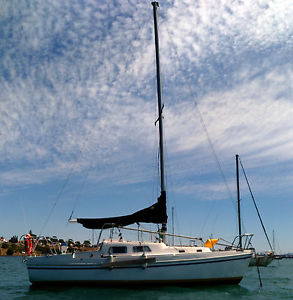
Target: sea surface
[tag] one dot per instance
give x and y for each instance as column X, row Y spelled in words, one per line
column 277, row 280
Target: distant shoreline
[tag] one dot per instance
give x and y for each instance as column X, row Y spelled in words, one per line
column 17, row 249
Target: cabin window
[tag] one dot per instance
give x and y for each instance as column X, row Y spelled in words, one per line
column 181, row 251
column 141, row 249
column 199, row 250
column 118, row 250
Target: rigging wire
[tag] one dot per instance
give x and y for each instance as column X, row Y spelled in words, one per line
column 81, row 151
column 170, row 186
column 56, row 201
column 255, row 205
column 202, row 122
column 79, row 194
column 167, row 166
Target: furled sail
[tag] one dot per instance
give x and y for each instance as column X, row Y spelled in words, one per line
column 157, row 213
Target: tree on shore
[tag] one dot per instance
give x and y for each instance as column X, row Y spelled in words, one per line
column 4, row 245
column 70, row 243
column 14, row 239
column 54, row 239
column 9, row 251
column 87, row 243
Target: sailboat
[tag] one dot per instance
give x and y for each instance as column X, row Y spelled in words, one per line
column 257, row 259
column 118, row 261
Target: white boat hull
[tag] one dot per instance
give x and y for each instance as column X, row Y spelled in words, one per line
column 220, row 268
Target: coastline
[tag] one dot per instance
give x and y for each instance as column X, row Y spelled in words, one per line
column 17, row 249
column 11, row 249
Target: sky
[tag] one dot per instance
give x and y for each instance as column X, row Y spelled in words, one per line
column 78, row 110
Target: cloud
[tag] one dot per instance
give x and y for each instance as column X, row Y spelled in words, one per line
column 78, row 87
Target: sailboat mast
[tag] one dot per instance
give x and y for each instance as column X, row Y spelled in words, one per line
column 238, row 200
column 160, row 106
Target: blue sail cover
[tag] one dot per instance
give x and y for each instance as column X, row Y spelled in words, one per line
column 157, row 213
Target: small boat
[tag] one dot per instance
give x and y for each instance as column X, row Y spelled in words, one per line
column 257, row 259
column 118, row 261
column 261, row 259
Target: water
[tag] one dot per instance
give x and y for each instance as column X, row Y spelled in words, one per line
column 277, row 284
